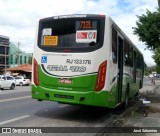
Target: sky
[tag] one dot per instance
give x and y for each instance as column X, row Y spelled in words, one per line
column 18, row 18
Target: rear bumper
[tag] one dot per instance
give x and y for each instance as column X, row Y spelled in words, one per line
column 91, row 98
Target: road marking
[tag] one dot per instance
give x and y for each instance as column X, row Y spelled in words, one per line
column 17, row 98
column 13, row 91
column 62, row 106
column 14, row 119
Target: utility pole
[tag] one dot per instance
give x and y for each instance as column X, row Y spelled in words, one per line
column 159, row 3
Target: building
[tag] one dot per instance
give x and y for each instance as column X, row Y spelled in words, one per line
column 23, row 70
column 4, row 53
column 18, row 57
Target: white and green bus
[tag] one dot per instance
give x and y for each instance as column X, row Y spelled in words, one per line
column 85, row 59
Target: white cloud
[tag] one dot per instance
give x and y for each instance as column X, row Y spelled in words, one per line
column 19, row 17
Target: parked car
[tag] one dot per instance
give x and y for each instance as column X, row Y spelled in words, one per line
column 20, row 80
column 150, row 76
column 7, row 82
column 157, row 75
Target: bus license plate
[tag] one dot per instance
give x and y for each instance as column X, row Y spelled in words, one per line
column 63, row 96
column 65, row 81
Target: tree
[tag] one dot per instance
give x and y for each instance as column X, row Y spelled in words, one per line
column 149, row 70
column 148, row 29
column 156, row 58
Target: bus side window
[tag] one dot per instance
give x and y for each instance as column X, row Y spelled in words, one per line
column 134, row 65
column 114, row 45
column 139, row 61
column 126, row 53
column 130, row 54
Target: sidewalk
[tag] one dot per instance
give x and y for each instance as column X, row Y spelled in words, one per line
column 147, row 115
column 151, row 92
column 142, row 115
column 151, row 111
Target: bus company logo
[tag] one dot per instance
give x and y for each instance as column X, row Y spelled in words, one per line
column 91, row 35
column 82, row 35
column 86, row 36
column 65, row 81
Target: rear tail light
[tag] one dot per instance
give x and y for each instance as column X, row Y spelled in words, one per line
column 100, row 82
column 36, row 78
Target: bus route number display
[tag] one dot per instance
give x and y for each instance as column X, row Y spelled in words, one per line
column 86, row 25
column 86, row 31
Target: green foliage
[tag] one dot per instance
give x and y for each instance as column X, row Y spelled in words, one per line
column 156, row 58
column 148, row 29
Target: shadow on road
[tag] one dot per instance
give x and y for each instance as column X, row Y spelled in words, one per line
column 76, row 113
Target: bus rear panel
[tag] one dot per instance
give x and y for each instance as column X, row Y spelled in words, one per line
column 70, row 62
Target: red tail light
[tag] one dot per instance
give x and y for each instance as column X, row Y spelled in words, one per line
column 100, row 82
column 36, row 78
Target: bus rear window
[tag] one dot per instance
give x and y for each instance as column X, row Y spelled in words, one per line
column 70, row 34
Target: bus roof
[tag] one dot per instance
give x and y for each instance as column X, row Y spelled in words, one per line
column 74, row 16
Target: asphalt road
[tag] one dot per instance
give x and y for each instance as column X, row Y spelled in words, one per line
column 17, row 109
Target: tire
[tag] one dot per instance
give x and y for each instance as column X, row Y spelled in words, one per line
column 125, row 104
column 140, row 85
column 21, row 84
column 12, row 87
column 137, row 93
